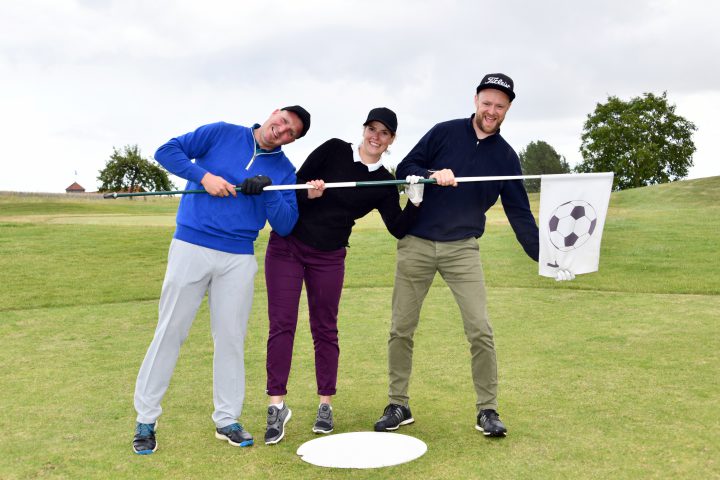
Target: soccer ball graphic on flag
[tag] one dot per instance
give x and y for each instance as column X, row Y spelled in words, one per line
column 572, row 224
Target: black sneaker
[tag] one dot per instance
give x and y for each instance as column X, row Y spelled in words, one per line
column 144, row 441
column 324, row 422
column 394, row 416
column 235, row 434
column 276, row 420
column 488, row 422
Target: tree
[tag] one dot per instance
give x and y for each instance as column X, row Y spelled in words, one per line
column 128, row 171
column 540, row 158
column 642, row 141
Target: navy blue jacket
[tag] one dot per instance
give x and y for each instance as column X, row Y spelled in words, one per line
column 455, row 213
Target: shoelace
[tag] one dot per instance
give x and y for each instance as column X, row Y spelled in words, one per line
column 490, row 416
column 145, row 430
column 324, row 413
column 234, row 427
column 273, row 414
column 394, row 410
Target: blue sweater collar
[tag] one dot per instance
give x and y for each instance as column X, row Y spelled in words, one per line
column 257, row 145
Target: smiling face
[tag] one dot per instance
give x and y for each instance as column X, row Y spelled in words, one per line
column 281, row 128
column 376, row 138
column 490, row 108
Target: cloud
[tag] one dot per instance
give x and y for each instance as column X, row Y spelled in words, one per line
column 86, row 76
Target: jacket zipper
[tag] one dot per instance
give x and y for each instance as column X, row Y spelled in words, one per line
column 255, row 152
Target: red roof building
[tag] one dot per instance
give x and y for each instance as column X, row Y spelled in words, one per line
column 75, row 188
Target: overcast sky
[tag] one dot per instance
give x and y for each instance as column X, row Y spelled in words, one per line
column 80, row 77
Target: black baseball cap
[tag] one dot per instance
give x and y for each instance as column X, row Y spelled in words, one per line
column 498, row 81
column 304, row 117
column 383, row 115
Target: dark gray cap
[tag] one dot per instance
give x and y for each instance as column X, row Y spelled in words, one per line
column 304, row 117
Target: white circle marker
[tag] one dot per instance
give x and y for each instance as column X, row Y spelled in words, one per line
column 362, row 450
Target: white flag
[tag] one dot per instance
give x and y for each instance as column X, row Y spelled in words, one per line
column 573, row 208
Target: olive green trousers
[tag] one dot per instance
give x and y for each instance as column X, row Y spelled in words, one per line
column 459, row 265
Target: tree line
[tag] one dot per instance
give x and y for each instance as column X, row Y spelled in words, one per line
column 642, row 141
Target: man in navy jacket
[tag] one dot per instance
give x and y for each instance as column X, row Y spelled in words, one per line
column 444, row 239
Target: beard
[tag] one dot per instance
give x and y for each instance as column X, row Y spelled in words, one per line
column 488, row 130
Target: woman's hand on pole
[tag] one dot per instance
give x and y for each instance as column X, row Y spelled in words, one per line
column 317, row 190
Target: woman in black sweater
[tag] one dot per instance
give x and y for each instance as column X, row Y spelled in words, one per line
column 314, row 253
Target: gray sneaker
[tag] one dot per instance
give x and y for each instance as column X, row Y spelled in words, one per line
column 276, row 420
column 324, row 422
column 235, row 434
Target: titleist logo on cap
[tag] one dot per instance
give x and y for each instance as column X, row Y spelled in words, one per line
column 498, row 81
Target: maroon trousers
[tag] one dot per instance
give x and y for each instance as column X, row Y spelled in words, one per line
column 288, row 263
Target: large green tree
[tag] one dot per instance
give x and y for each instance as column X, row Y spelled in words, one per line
column 643, row 141
column 539, row 158
column 128, row 171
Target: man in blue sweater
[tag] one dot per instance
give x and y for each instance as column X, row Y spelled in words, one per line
column 444, row 239
column 212, row 252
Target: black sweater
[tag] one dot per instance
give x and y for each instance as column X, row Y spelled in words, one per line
column 325, row 223
column 456, row 213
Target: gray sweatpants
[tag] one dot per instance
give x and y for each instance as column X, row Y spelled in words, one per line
column 228, row 280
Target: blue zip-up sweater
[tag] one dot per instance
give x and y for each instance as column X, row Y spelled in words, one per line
column 228, row 224
column 455, row 213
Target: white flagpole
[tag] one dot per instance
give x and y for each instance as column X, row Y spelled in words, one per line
column 432, row 180
column 364, row 184
column 398, row 182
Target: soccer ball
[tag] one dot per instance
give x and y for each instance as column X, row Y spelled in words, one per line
column 572, row 224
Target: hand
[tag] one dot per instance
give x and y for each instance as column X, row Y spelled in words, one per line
column 444, row 177
column 317, row 190
column 254, row 185
column 217, row 186
column 414, row 190
column 564, row 275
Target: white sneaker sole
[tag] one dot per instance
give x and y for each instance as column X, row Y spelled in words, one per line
column 245, row 443
column 317, row 430
column 404, row 422
column 489, row 434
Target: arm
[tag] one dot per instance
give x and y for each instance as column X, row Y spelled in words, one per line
column 176, row 156
column 398, row 222
column 517, row 209
column 417, row 161
column 281, row 206
column 420, row 161
column 313, row 170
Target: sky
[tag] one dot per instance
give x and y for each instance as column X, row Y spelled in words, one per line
column 81, row 77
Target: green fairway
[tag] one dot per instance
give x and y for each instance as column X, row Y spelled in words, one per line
column 613, row 375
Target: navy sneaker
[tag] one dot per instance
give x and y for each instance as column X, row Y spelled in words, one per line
column 394, row 416
column 324, row 421
column 276, row 420
column 235, row 435
column 144, row 442
column 488, row 422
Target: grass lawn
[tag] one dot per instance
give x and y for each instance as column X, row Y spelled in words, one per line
column 613, row 375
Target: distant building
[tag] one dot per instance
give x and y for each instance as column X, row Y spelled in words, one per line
column 75, row 188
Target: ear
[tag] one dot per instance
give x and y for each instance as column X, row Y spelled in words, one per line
column 475, row 100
